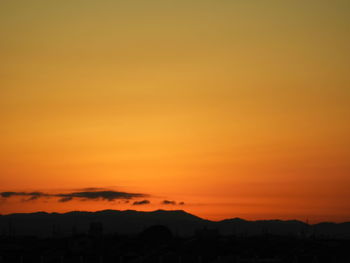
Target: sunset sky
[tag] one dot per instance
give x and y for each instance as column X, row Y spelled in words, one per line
column 236, row 108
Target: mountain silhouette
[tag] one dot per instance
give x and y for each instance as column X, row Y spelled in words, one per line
column 179, row 222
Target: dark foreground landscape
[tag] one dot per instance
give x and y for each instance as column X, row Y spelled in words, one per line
column 166, row 236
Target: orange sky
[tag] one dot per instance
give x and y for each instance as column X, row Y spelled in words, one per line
column 237, row 108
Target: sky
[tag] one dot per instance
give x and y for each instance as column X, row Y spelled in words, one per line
column 219, row 108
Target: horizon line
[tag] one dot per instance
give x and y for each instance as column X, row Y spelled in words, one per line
column 177, row 210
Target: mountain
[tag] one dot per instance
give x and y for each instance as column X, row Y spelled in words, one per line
column 180, row 222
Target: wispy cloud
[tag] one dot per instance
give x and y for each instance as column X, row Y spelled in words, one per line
column 143, row 202
column 30, row 195
column 88, row 194
column 167, row 202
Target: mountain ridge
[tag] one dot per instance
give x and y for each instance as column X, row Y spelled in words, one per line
column 179, row 221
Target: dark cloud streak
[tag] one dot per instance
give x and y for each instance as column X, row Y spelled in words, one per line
column 167, row 202
column 143, row 202
column 32, row 195
column 84, row 195
column 95, row 195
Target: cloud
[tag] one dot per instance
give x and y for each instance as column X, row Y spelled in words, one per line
column 167, row 202
column 82, row 195
column 65, row 199
column 36, row 195
column 31, row 195
column 182, row 203
column 143, row 202
column 9, row 194
column 95, row 195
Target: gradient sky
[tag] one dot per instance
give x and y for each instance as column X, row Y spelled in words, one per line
column 237, row 108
